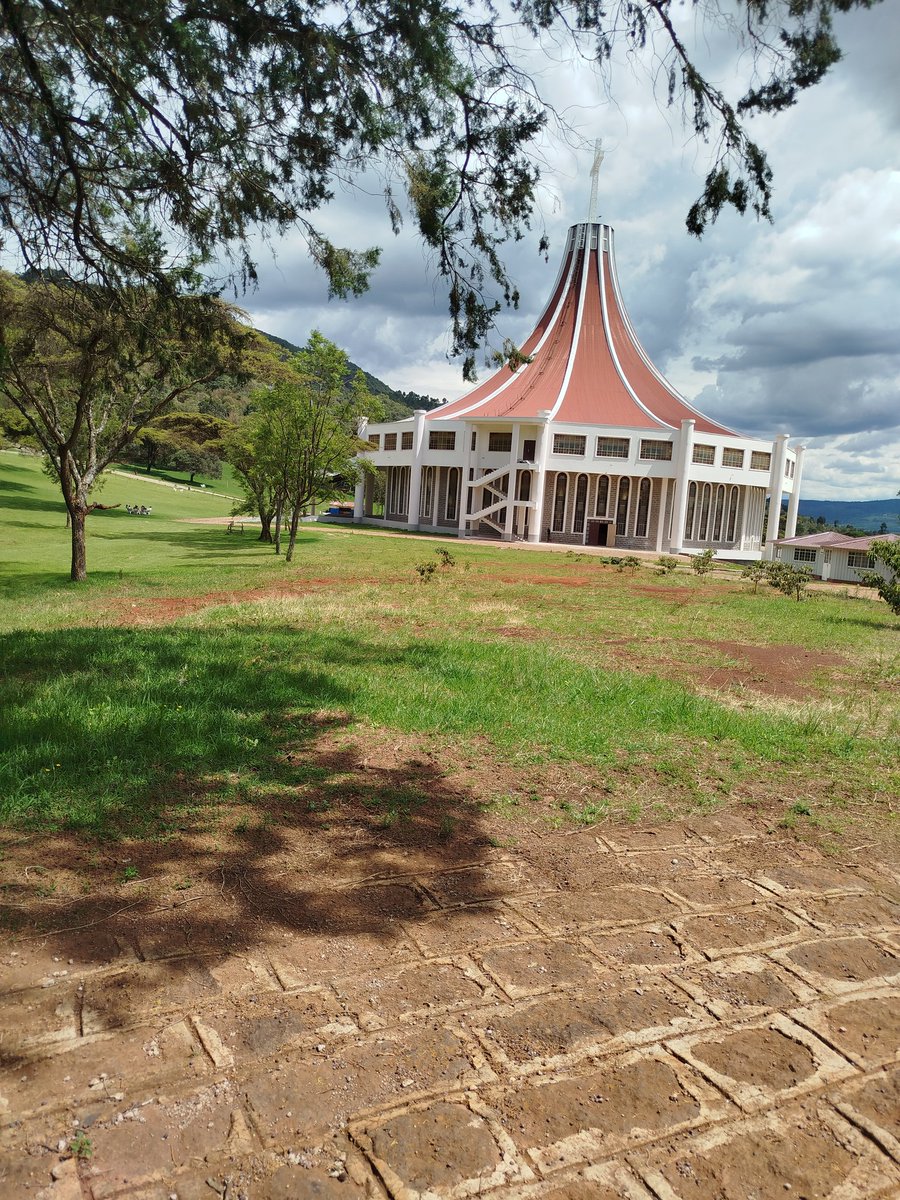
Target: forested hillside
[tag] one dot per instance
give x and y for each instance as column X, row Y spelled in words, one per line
column 396, row 404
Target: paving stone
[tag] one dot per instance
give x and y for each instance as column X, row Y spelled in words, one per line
column 381, row 997
column 272, row 1023
column 558, row 1028
column 625, row 905
column 604, row 1181
column 787, row 880
column 655, row 947
column 465, row 929
column 866, row 1029
column 743, row 987
column 87, row 1075
column 630, row 1100
column 757, row 1063
column 38, row 1017
column 300, row 960
column 442, row 1150
column 874, row 1105
column 750, row 929
column 841, row 964
column 154, row 1141
column 805, row 1152
column 704, row 892
column 243, row 975
column 25, row 1170
column 296, row 1182
column 487, row 881
column 529, row 968
column 29, row 963
column 663, row 865
column 841, row 913
column 137, row 994
column 298, row 1103
column 664, row 837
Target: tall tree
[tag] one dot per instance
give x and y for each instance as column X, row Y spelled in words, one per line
column 304, row 434
column 88, row 370
column 210, row 120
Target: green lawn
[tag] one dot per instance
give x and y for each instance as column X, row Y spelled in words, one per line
column 193, row 658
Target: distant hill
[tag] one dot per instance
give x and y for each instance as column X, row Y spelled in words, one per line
column 864, row 514
column 397, row 404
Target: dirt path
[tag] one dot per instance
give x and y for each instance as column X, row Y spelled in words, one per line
column 706, row 1010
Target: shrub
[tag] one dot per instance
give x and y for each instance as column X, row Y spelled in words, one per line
column 425, row 570
column 887, row 553
column 666, row 564
column 703, row 562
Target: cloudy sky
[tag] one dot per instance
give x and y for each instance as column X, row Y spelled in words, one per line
column 790, row 327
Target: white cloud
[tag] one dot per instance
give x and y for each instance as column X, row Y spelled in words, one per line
column 784, row 327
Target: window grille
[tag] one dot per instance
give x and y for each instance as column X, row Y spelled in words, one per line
column 608, row 447
column 654, row 449
column 441, row 439
column 568, row 443
column 704, row 454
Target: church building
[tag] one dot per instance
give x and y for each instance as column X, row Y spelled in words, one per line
column 585, row 444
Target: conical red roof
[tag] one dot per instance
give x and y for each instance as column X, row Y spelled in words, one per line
column 588, row 367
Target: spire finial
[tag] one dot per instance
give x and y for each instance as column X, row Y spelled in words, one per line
column 595, row 172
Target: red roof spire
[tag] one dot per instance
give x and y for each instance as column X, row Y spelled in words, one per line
column 587, row 366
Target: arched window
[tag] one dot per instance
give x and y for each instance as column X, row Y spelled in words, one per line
column 720, row 510
column 426, row 500
column 643, row 509
column 524, row 485
column 704, row 513
column 622, row 507
column 559, row 502
column 691, row 509
column 452, row 507
column 403, row 498
column 602, row 502
column 580, row 504
column 732, row 513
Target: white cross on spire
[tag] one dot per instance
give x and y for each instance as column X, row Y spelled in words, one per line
column 595, row 172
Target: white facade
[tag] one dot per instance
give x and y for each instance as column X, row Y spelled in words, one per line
column 586, row 444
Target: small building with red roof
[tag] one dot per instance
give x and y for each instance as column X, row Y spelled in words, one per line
column 585, row 444
column 832, row 555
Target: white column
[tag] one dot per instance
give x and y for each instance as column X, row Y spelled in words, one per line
column 359, row 494
column 537, row 492
column 790, row 528
column 464, row 490
column 685, row 447
column 661, row 521
column 415, row 474
column 776, row 487
column 511, row 486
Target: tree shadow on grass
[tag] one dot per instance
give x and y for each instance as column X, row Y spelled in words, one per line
column 249, row 819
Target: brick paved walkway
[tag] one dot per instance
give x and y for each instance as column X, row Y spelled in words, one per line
column 684, row 1012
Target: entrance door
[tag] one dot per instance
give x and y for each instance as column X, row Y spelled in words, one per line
column 528, row 450
column 597, row 533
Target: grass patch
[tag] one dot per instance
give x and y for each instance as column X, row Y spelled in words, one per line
column 112, row 726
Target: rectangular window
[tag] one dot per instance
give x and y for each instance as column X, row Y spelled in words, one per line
column 804, row 554
column 859, row 558
column 500, row 443
column 760, row 460
column 569, row 443
column 788, row 469
column 613, row 447
column 390, row 441
column 653, row 449
column 375, row 440
column 704, row 454
column 474, row 440
column 406, row 440
column 440, row 439
column 732, row 457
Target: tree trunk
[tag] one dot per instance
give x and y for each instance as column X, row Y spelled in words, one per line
column 265, row 521
column 79, row 554
column 278, row 528
column 295, row 521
